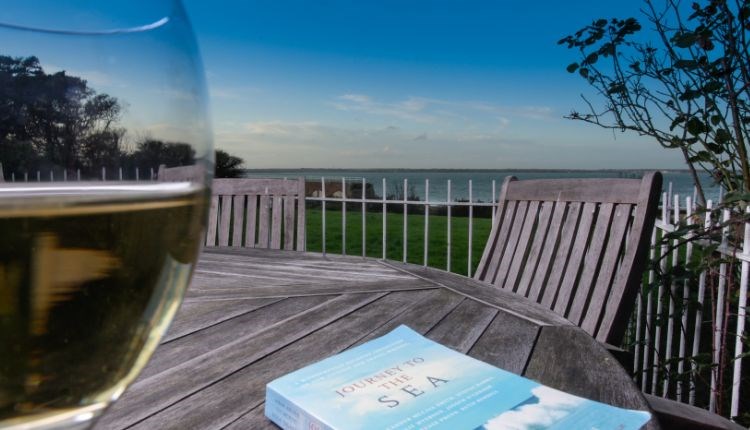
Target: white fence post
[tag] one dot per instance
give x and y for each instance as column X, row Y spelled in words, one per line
column 137, row 175
column 403, row 252
column 663, row 267
column 671, row 316
column 649, row 317
column 719, row 322
column 364, row 216
column 385, row 227
column 343, row 215
column 471, row 229
column 699, row 311
column 740, row 334
column 426, row 221
column 685, row 299
column 65, row 175
column 449, row 203
column 323, row 212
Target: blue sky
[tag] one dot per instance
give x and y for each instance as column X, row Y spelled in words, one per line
column 409, row 83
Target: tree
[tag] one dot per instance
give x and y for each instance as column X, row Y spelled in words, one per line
column 152, row 153
column 686, row 85
column 53, row 120
column 227, row 165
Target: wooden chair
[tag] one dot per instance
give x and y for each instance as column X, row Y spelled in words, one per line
column 259, row 213
column 577, row 246
column 180, row 173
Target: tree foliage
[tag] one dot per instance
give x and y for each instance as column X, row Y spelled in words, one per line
column 686, row 84
column 227, row 165
column 54, row 121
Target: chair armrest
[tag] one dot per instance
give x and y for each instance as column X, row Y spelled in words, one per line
column 676, row 415
column 625, row 358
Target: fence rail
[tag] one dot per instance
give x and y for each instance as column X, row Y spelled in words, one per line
column 405, row 202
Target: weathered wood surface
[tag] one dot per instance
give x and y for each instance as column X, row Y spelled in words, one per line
column 264, row 209
column 251, row 316
column 577, row 246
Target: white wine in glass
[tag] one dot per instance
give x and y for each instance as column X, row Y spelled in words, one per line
column 98, row 240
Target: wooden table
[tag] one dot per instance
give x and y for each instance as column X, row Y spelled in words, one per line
column 253, row 315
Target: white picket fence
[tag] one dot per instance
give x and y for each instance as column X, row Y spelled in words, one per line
column 670, row 322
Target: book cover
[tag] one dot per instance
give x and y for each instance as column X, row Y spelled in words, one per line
column 405, row 381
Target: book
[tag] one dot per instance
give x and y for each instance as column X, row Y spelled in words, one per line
column 404, row 381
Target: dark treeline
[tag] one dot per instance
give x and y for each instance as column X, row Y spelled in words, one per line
column 57, row 122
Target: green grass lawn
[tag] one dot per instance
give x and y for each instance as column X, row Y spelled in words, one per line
column 437, row 256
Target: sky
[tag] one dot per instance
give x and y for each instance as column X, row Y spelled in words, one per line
column 382, row 84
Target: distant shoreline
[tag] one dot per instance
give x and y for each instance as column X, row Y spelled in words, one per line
column 402, row 169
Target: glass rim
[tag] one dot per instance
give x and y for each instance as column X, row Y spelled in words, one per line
column 137, row 29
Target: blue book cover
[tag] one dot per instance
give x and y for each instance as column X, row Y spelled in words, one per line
column 405, row 381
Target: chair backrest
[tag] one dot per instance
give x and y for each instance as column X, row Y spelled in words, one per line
column 180, row 173
column 257, row 213
column 577, row 246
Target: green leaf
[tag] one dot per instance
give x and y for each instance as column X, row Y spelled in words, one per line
column 686, row 64
column 716, row 119
column 684, row 39
column 722, row 136
column 583, row 72
column 572, row 67
column 695, row 126
column 700, row 156
column 616, row 88
column 591, row 58
column 713, row 86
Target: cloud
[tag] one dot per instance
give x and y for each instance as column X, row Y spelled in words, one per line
column 432, row 110
column 551, row 406
column 422, row 136
column 411, row 109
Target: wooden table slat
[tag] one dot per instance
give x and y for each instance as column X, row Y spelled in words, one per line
column 211, row 408
column 252, row 315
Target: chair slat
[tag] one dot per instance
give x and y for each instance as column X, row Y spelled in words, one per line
column 583, row 287
column 213, row 218
column 572, row 269
column 606, row 275
column 562, row 251
column 620, row 301
column 263, row 221
column 288, row 222
column 519, row 257
column 510, row 247
column 492, row 241
column 251, row 221
column 531, row 267
column 276, row 221
column 225, row 213
column 301, row 229
column 238, row 216
column 498, row 247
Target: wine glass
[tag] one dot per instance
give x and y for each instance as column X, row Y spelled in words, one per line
column 106, row 155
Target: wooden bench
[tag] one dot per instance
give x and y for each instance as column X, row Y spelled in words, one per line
column 257, row 213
